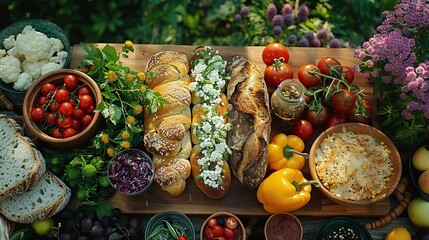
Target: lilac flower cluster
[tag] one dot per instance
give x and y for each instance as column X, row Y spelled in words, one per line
column 394, row 60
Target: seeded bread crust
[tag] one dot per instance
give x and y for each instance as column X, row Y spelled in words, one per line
column 47, row 197
column 21, row 164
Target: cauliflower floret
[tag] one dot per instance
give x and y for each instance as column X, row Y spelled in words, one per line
column 33, row 45
column 24, row 82
column 56, row 46
column 3, row 53
column 60, row 58
column 9, row 69
column 50, row 66
column 27, row 29
column 9, row 42
column 33, row 68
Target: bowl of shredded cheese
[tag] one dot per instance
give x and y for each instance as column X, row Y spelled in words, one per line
column 355, row 163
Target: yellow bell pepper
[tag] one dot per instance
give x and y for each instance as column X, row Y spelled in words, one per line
column 286, row 152
column 284, row 190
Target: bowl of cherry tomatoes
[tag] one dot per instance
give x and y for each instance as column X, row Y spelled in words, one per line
column 222, row 225
column 59, row 108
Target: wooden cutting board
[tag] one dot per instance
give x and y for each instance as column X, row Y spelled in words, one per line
column 239, row 200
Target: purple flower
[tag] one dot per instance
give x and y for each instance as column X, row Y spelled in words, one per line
column 406, row 114
column 322, row 34
column 277, row 20
column 291, row 39
column 310, row 36
column 237, row 17
column 334, row 43
column 288, row 19
column 271, row 12
column 277, row 30
column 315, row 43
column 244, row 10
column 303, row 42
column 287, row 9
column 303, row 13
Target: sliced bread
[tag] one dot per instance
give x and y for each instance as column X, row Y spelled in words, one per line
column 21, row 164
column 47, row 197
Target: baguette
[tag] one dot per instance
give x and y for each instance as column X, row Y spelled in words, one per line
column 47, row 197
column 167, row 132
column 209, row 157
column 21, row 164
column 250, row 120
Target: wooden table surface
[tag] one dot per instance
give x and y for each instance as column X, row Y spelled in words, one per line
column 239, row 201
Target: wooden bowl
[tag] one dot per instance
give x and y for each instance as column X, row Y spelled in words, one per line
column 30, row 100
column 283, row 226
column 240, row 232
column 380, row 137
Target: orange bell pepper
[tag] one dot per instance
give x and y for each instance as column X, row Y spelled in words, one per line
column 284, row 190
column 286, row 152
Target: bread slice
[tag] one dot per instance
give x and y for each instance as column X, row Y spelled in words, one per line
column 21, row 164
column 46, row 198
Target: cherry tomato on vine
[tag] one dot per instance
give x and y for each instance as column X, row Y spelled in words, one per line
column 302, row 128
column 57, row 133
column 348, row 74
column 37, row 114
column 84, row 90
column 86, row 120
column 275, row 51
column 316, row 118
column 77, row 125
column 212, row 222
column 65, row 109
column 42, row 100
column 64, row 122
column 70, row 81
column 69, row 132
column 336, row 118
column 343, row 101
column 61, row 95
column 351, row 117
column 85, row 101
column 276, row 73
column 78, row 113
column 53, row 107
column 47, row 88
column 306, row 78
column 50, row 118
column 329, row 66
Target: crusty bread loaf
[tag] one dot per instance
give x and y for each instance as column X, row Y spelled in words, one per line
column 209, row 157
column 167, row 132
column 48, row 196
column 250, row 118
column 21, row 164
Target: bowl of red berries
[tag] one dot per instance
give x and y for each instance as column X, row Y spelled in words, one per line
column 59, row 108
column 222, row 225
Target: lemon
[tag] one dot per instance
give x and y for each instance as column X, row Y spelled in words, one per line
column 398, row 233
column 42, row 227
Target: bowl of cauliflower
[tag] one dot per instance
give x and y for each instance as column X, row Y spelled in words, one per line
column 29, row 49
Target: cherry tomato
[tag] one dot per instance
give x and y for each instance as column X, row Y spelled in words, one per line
column 57, row 133
column 217, row 230
column 316, row 118
column 307, row 79
column 362, row 119
column 231, row 223
column 50, row 118
column 274, row 75
column 229, row 233
column 220, row 238
column 336, row 118
column 329, row 66
column 84, row 90
column 78, row 113
column 47, row 88
column 275, row 51
column 65, row 109
column 37, row 114
column 209, row 232
column 53, row 107
column 182, row 238
column 70, row 81
column 64, row 122
column 348, row 74
column 212, row 222
column 73, row 101
column 77, row 125
column 91, row 109
column 343, row 101
column 86, row 120
column 42, row 100
column 61, row 95
column 303, row 129
column 85, row 101
column 69, row 132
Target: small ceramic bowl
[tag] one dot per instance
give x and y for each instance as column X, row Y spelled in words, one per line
column 357, row 128
column 50, row 29
column 346, row 228
column 131, row 172
column 416, row 173
column 177, row 219
column 283, row 226
column 33, row 128
column 226, row 221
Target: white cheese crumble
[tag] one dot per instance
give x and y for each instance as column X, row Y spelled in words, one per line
column 209, row 80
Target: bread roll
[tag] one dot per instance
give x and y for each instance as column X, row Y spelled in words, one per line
column 209, row 157
column 167, row 132
column 250, row 119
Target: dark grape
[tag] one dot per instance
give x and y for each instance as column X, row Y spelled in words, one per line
column 116, row 212
column 132, row 232
column 91, row 216
column 70, row 224
column 115, row 236
column 108, row 230
column 82, row 238
column 97, row 230
column 105, row 221
column 134, row 222
column 221, row 221
column 113, row 220
column 66, row 236
column 64, row 215
column 86, row 225
column 79, row 215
